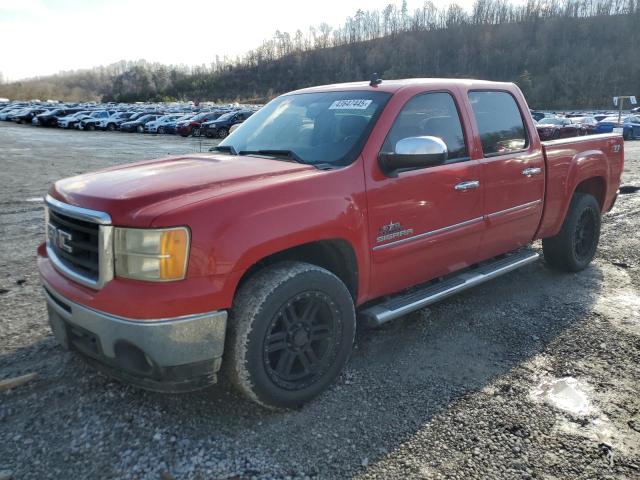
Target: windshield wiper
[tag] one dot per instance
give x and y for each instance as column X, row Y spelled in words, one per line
column 275, row 153
column 224, row 148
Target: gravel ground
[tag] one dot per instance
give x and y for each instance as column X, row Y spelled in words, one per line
column 534, row 375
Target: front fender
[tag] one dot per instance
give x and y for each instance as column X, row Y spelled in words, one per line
column 233, row 232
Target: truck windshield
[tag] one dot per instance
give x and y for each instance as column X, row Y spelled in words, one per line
column 315, row 128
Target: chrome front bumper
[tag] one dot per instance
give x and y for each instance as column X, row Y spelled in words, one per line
column 169, row 354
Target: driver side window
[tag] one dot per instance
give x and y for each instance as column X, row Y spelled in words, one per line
column 434, row 115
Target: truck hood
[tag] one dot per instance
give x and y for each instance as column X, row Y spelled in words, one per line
column 135, row 194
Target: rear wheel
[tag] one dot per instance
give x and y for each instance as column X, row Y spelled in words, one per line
column 291, row 331
column 111, row 127
column 574, row 247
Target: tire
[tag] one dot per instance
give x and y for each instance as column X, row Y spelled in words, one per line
column 140, row 129
column 289, row 302
column 160, row 130
column 91, row 127
column 223, row 132
column 574, row 247
column 195, row 132
column 111, row 127
column 625, row 135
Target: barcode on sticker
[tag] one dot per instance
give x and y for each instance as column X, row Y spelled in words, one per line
column 353, row 104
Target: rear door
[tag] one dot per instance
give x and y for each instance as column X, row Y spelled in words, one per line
column 513, row 171
column 426, row 222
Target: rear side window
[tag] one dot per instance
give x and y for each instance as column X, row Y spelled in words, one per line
column 430, row 114
column 501, row 126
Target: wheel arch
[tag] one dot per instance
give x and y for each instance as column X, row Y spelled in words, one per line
column 335, row 255
column 594, row 186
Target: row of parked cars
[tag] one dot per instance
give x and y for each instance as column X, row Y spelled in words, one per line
column 553, row 125
column 214, row 121
column 217, row 121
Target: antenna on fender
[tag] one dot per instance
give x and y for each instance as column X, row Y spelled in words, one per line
column 375, row 81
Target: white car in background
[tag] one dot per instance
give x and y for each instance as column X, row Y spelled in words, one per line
column 70, row 121
column 113, row 122
column 157, row 126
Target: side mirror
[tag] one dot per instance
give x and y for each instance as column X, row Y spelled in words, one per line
column 413, row 152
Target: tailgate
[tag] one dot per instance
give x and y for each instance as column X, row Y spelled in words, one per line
column 592, row 164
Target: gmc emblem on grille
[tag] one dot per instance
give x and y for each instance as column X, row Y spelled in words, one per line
column 60, row 239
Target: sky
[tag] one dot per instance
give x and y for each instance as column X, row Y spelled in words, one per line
column 41, row 37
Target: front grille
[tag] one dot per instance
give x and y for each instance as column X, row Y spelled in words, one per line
column 79, row 250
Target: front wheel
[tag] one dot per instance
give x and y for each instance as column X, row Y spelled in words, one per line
column 291, row 331
column 140, row 129
column 574, row 247
column 160, row 130
column 223, row 132
column 111, row 127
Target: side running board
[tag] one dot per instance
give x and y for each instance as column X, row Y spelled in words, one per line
column 404, row 303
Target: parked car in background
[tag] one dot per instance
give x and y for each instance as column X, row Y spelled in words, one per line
column 537, row 116
column 157, row 126
column 138, row 124
column 631, row 127
column 26, row 115
column 50, row 118
column 89, row 123
column 220, row 128
column 551, row 128
column 70, row 121
column 113, row 122
column 601, row 116
column 192, row 125
column 607, row 124
column 588, row 124
column 170, row 127
column 6, row 114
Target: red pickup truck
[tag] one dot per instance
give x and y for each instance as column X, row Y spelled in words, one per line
column 365, row 200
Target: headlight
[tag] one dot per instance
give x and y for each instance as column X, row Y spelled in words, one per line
column 156, row 255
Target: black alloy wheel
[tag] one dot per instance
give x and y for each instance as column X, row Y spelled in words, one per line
column 300, row 342
column 583, row 239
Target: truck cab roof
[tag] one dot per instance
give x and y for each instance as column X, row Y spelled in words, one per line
column 393, row 86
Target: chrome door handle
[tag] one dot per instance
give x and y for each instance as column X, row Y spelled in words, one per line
column 468, row 185
column 530, row 172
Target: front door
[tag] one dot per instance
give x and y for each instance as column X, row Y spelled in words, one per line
column 427, row 222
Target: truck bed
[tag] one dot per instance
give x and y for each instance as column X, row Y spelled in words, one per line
column 568, row 162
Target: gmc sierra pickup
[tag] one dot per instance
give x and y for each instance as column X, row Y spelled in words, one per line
column 364, row 200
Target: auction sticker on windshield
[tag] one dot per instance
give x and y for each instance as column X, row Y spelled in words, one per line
column 352, row 104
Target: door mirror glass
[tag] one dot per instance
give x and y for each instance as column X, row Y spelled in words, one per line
column 414, row 152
